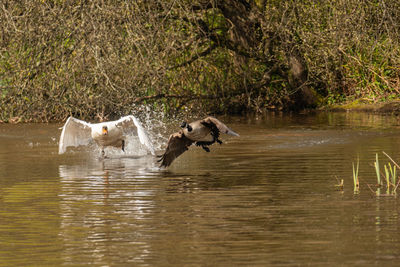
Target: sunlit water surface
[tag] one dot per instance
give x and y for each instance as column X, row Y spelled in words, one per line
column 266, row 197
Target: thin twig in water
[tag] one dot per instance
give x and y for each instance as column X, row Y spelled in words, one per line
column 391, row 159
column 394, row 190
column 373, row 192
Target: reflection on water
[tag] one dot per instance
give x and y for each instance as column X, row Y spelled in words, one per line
column 265, row 198
column 93, row 208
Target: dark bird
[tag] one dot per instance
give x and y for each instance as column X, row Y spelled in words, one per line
column 202, row 132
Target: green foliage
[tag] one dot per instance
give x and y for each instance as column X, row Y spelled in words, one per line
column 390, row 176
column 88, row 59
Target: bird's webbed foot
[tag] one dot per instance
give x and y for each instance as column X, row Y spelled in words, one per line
column 205, row 148
column 204, row 145
column 103, row 155
column 123, row 145
column 215, row 135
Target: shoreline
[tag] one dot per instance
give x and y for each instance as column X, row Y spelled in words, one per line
column 360, row 105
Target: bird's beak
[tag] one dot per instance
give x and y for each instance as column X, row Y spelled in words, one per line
column 105, row 131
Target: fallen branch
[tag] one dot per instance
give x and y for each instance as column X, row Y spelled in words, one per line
column 162, row 95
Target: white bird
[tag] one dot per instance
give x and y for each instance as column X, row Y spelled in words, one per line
column 111, row 133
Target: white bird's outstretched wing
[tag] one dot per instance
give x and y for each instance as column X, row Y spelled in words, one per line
column 131, row 121
column 74, row 133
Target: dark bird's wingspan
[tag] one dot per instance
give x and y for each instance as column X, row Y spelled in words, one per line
column 220, row 126
column 177, row 144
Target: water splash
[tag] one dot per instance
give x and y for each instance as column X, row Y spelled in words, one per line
column 143, row 136
column 154, row 125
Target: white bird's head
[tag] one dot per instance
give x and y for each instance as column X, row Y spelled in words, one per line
column 104, row 130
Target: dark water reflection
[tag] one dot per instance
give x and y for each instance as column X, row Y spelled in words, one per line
column 265, row 198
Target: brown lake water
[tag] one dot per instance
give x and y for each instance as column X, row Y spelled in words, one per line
column 265, row 198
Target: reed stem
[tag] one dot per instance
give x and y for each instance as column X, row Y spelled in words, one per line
column 355, row 177
column 378, row 174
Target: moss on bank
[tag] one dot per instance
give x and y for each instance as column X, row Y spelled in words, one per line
column 365, row 105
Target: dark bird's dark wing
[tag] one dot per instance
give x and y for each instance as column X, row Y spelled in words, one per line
column 220, row 126
column 177, row 144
